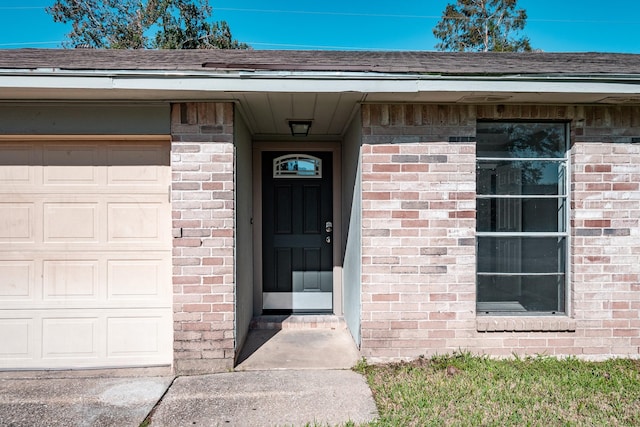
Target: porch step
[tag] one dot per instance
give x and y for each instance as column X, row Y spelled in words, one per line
column 298, row 321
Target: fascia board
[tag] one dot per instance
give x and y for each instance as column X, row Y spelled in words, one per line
column 366, row 83
column 55, row 82
column 528, row 86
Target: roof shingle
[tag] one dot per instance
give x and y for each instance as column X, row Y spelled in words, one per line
column 418, row 62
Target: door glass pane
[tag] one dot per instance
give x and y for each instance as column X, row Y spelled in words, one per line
column 297, row 165
column 521, row 255
column 513, row 140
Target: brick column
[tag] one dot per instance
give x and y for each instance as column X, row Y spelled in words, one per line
column 202, row 163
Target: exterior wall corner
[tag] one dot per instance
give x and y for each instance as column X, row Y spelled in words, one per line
column 203, row 212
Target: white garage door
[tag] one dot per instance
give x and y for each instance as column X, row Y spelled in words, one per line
column 85, row 253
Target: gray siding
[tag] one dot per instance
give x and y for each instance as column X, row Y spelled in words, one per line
column 244, row 232
column 352, row 220
column 84, row 119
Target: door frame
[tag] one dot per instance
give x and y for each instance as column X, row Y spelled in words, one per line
column 295, row 147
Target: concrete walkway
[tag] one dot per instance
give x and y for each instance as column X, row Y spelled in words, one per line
column 289, row 377
column 267, row 398
column 79, row 402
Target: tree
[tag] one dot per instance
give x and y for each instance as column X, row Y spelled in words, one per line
column 184, row 26
column 140, row 24
column 481, row 26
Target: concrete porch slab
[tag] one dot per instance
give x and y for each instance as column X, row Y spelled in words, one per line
column 298, row 342
column 267, row 349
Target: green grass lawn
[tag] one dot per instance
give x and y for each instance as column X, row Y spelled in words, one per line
column 464, row 390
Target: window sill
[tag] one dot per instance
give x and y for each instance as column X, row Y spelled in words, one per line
column 525, row 324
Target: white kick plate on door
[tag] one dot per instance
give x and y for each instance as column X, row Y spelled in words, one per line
column 303, row 301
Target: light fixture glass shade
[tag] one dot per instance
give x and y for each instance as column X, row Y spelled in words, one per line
column 300, row 127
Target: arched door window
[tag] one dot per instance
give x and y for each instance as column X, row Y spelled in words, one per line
column 297, row 166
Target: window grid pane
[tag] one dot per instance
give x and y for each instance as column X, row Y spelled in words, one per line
column 521, row 214
column 521, row 140
column 521, row 255
column 506, row 177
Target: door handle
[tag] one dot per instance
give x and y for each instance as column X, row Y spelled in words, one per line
column 327, row 239
column 328, row 226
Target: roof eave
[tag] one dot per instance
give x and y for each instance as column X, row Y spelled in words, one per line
column 173, row 84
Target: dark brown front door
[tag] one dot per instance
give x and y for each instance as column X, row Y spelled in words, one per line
column 297, row 231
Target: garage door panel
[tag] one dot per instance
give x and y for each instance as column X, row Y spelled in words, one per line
column 137, row 165
column 17, row 222
column 85, row 254
column 87, row 279
column 66, row 339
column 134, row 336
column 71, row 165
column 130, row 175
column 125, row 279
column 17, row 164
column 70, row 337
column 137, row 279
column 132, row 222
column 70, row 279
column 17, row 279
column 117, row 303
column 70, row 222
column 16, row 336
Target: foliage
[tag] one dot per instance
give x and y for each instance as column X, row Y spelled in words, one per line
column 361, row 366
column 482, row 26
column 462, row 389
column 139, row 24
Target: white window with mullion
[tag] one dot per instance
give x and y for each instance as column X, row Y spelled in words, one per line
column 522, row 211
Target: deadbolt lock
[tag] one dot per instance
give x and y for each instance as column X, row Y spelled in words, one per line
column 328, row 226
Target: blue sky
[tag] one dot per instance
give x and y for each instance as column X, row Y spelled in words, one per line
column 553, row 26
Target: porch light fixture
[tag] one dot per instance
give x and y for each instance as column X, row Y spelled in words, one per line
column 300, row 127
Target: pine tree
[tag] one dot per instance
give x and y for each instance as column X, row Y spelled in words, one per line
column 482, row 26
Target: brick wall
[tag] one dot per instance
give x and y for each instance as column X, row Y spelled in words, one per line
column 606, row 246
column 418, row 260
column 202, row 164
column 418, row 218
